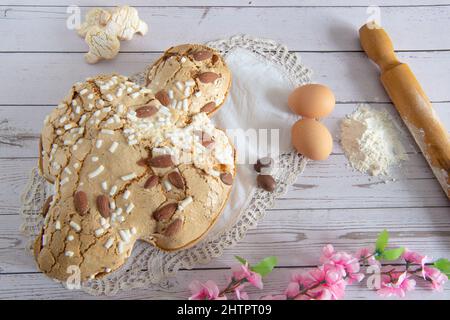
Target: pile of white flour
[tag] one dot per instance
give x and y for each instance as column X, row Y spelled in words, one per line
column 371, row 140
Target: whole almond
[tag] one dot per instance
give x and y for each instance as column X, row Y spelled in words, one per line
column 46, row 206
column 163, row 97
column 202, row 55
column 80, row 202
column 176, row 179
column 173, row 228
column 227, row 178
column 142, row 162
column 266, row 182
column 208, row 143
column 165, row 212
column 265, row 162
column 208, row 77
column 146, row 111
column 151, row 182
column 162, row 161
column 210, row 106
column 205, row 138
column 214, row 59
column 103, row 206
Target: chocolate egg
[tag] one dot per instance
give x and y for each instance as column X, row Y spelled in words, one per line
column 311, row 139
column 312, row 101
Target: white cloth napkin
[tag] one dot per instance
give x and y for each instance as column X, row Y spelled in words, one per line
column 257, row 101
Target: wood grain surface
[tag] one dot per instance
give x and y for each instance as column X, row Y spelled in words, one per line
column 329, row 203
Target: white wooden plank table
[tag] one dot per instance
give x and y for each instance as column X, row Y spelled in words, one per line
column 40, row 58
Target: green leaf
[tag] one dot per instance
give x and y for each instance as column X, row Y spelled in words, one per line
column 392, row 254
column 241, row 260
column 382, row 241
column 265, row 266
column 443, row 265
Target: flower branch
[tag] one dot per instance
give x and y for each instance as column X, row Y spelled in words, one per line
column 339, row 269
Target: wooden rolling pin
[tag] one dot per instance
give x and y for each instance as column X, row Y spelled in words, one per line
column 410, row 101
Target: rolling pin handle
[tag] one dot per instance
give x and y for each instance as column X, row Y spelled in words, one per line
column 378, row 46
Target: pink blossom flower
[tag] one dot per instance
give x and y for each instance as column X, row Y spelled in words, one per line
column 328, row 283
column 367, row 255
column 302, row 279
column 240, row 294
column 437, row 278
column 403, row 284
column 205, row 291
column 416, row 258
column 327, row 253
column 300, row 282
column 345, row 263
column 324, row 294
column 242, row 271
column 413, row 257
column 292, row 290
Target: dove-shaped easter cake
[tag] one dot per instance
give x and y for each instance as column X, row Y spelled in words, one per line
column 134, row 163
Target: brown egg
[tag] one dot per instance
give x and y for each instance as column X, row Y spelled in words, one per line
column 311, row 139
column 312, row 101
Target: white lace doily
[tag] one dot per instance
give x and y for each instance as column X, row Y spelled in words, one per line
column 149, row 266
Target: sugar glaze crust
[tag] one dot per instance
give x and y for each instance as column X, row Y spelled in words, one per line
column 191, row 71
column 99, row 147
